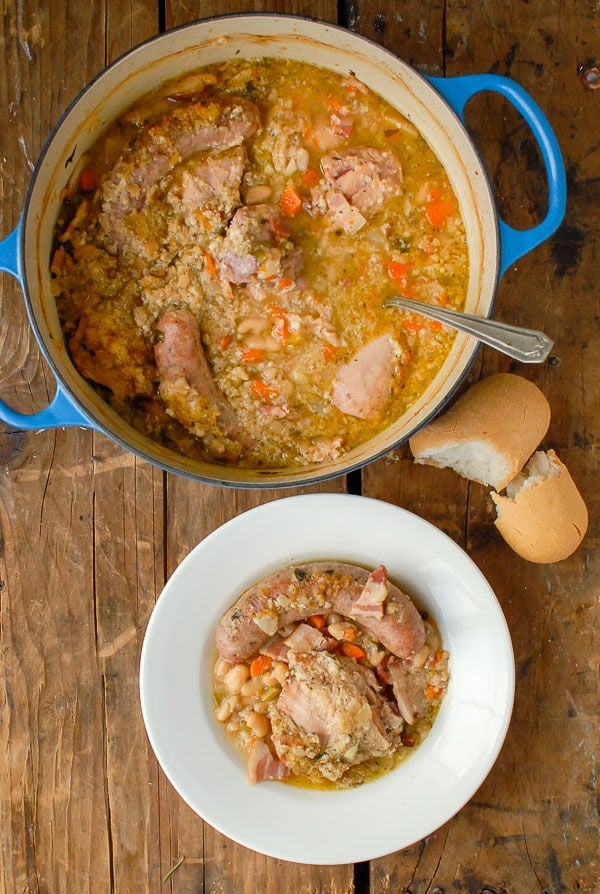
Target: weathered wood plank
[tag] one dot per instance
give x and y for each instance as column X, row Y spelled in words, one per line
column 88, row 533
column 81, row 549
column 212, row 860
column 532, row 825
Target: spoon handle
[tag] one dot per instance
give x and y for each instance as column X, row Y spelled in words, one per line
column 526, row 345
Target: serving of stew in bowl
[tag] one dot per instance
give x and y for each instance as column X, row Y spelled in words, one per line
column 349, row 678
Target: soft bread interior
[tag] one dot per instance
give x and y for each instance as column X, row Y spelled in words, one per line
column 476, row 459
column 489, row 433
column 540, row 467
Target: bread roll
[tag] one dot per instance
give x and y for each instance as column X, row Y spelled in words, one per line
column 543, row 516
column 489, row 433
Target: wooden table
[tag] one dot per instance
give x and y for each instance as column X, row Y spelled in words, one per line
column 89, row 533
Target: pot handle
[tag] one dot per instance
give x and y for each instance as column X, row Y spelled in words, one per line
column 61, row 411
column 457, row 91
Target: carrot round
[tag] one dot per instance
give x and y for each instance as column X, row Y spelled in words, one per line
column 259, row 665
column 438, row 212
column 351, row 650
column 289, row 201
column 262, row 390
column 317, row 621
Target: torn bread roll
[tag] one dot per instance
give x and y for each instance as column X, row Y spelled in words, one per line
column 489, row 433
column 543, row 516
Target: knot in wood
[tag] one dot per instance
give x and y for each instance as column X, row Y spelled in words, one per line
column 590, row 78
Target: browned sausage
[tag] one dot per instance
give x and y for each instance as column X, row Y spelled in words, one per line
column 178, row 354
column 216, row 125
column 294, row 593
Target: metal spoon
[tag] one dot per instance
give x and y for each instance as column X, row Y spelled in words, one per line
column 526, row 345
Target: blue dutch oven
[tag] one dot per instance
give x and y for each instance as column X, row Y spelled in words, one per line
column 434, row 105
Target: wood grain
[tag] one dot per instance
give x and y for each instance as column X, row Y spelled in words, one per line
column 532, row 825
column 89, row 534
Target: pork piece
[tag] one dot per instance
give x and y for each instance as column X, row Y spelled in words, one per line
column 363, row 386
column 344, row 216
column 370, row 603
column 262, row 765
column 294, row 593
column 409, row 685
column 305, row 638
column 207, row 190
column 366, row 177
column 180, row 358
column 323, row 722
column 249, row 245
column 108, row 348
column 215, row 125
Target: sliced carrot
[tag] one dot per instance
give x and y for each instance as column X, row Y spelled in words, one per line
column 252, row 355
column 399, row 270
column 259, row 665
column 438, row 212
column 210, row 264
column 262, row 390
column 225, row 342
column 285, row 283
column 329, row 352
column 88, row 181
column 274, row 310
column 432, row 692
column 289, row 201
column 338, row 105
column 317, row 621
column 414, row 325
column 281, row 329
column 309, row 176
column 351, row 650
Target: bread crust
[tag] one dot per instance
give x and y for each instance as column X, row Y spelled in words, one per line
column 547, row 518
column 504, row 416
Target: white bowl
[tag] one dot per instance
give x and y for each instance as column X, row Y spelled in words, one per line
column 327, row 827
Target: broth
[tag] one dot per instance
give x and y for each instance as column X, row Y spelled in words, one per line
column 223, row 253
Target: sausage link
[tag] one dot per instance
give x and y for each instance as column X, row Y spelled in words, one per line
column 179, row 354
column 292, row 594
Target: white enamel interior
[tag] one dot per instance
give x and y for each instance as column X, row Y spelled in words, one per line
column 216, row 40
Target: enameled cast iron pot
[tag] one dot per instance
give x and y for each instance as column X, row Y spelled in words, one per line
column 434, row 105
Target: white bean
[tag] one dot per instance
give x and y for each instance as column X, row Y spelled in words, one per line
column 236, row 677
column 226, row 708
column 252, row 324
column 280, row 669
column 221, row 667
column 302, row 160
column 258, row 194
column 420, row 657
column 251, row 687
column 258, row 723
